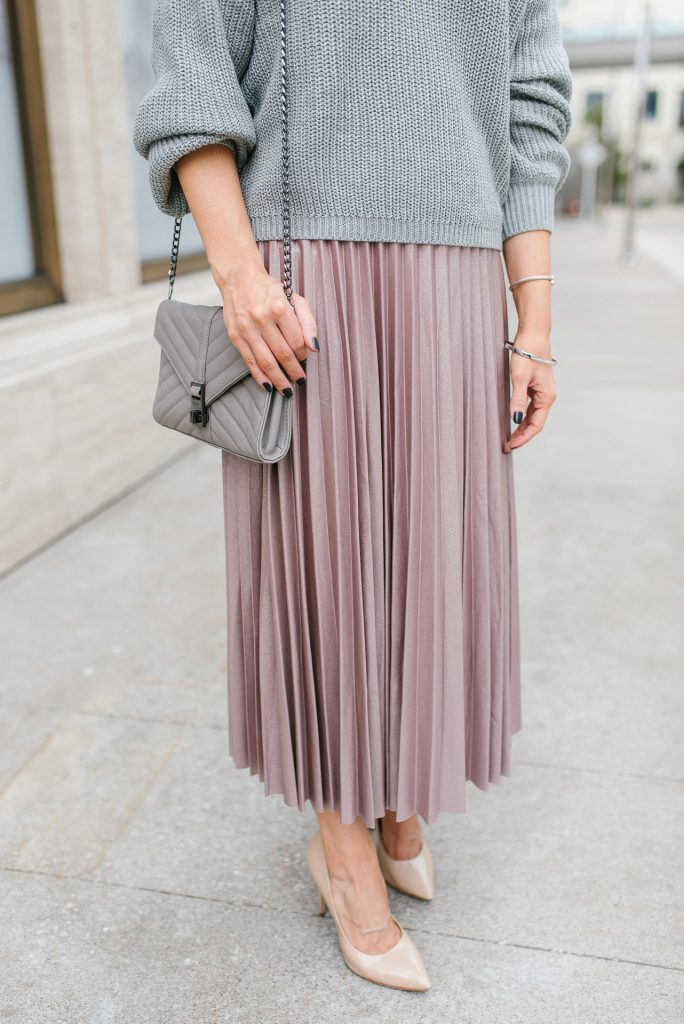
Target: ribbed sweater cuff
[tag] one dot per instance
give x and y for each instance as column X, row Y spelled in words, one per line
column 528, row 207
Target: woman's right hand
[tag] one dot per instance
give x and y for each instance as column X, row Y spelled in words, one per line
column 272, row 336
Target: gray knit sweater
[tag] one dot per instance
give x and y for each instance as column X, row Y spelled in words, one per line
column 412, row 121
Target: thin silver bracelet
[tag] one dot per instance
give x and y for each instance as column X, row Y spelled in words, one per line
column 529, row 355
column 532, row 277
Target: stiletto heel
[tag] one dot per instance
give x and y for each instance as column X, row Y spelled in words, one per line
column 322, row 905
column 399, row 967
column 414, row 876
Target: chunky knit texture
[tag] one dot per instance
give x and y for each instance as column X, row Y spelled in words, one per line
column 437, row 121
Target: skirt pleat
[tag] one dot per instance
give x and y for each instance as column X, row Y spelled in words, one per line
column 372, row 590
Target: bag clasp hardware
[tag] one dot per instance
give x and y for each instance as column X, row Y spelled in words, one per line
column 198, row 408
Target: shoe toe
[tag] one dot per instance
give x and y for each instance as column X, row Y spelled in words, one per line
column 407, row 967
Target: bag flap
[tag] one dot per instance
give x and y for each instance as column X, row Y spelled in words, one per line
column 181, row 328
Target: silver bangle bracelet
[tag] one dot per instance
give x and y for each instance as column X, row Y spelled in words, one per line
column 529, row 355
column 532, row 277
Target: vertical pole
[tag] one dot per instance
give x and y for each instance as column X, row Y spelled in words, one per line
column 588, row 190
column 641, row 66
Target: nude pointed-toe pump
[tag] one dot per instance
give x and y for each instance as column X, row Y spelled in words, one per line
column 414, row 876
column 398, row 967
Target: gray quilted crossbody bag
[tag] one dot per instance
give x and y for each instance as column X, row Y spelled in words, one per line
column 205, row 389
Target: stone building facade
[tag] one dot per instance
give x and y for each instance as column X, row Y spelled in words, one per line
column 82, row 269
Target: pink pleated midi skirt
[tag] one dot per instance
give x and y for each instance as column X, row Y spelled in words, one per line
column 372, row 589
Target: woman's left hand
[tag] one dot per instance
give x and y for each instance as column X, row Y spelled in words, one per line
column 533, row 389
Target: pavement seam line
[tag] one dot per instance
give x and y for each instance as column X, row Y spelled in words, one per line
column 257, row 906
column 606, row 772
column 143, row 719
column 147, row 477
column 613, row 773
column 550, row 949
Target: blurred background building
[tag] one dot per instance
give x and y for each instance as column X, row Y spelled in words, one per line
column 601, row 41
column 84, row 252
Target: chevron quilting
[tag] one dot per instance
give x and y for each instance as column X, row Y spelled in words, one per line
column 239, row 411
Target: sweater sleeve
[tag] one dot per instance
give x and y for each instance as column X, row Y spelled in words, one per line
column 200, row 51
column 541, row 88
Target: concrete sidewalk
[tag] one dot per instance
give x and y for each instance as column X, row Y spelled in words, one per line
column 144, row 879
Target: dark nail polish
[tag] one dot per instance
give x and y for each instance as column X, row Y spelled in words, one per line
column 267, row 386
column 301, row 381
column 314, row 342
column 288, row 392
column 517, row 417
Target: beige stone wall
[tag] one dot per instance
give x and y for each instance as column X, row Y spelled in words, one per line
column 77, row 380
column 88, row 130
column 76, row 388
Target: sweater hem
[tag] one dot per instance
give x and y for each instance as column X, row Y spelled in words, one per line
column 269, row 226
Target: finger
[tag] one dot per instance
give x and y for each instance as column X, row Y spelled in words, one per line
column 249, row 358
column 265, row 359
column 533, row 422
column 288, row 324
column 529, row 428
column 520, row 382
column 282, row 351
column 307, row 321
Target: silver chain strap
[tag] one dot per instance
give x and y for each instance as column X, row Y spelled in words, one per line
column 287, row 241
column 173, row 262
column 287, row 247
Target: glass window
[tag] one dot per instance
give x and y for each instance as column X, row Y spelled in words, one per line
column 594, row 108
column 16, row 252
column 29, row 257
column 651, row 105
column 155, row 229
column 594, row 102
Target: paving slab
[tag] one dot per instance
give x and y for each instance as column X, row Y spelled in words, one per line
column 64, row 808
column 24, row 730
column 602, row 642
column 208, row 830
column 583, row 862
column 108, row 955
column 152, row 579
column 635, row 726
column 587, row 862
column 601, row 534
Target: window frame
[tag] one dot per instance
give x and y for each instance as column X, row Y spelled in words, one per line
column 43, row 288
column 157, row 269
